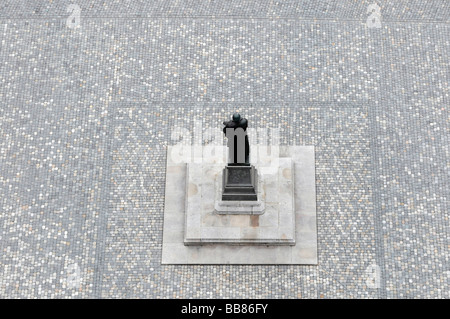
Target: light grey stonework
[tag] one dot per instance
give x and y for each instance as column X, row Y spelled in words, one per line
column 238, row 207
column 203, row 180
column 218, row 234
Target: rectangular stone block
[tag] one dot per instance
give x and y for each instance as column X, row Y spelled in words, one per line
column 255, row 239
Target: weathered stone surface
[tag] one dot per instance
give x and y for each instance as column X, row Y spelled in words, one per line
column 238, row 234
column 201, row 214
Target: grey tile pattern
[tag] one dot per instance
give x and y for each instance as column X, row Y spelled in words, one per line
column 86, row 114
column 409, row 10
